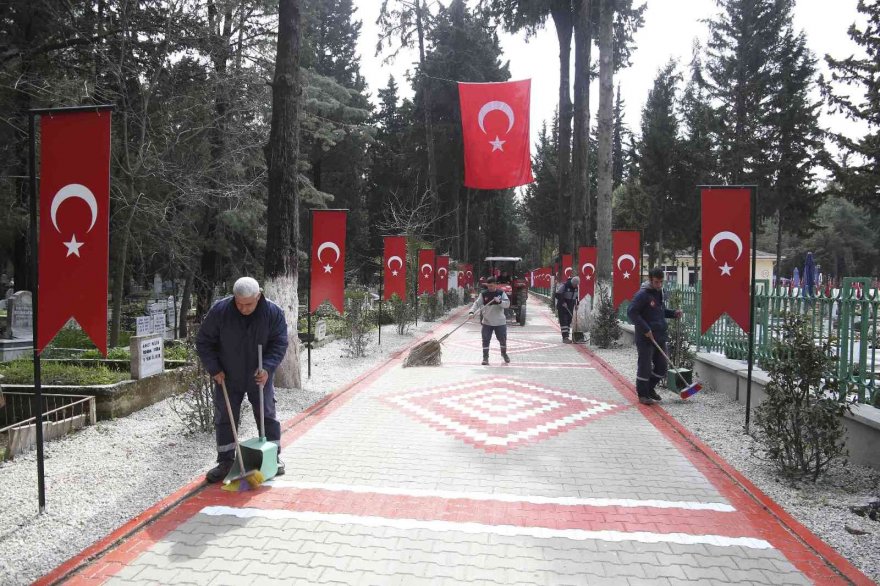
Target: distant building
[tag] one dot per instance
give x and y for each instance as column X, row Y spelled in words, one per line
column 683, row 270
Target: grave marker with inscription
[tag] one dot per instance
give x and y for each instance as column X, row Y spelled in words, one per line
column 20, row 316
column 147, row 356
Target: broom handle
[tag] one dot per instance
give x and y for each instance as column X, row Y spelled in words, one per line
column 262, row 413
column 456, row 329
column 232, row 425
column 677, row 369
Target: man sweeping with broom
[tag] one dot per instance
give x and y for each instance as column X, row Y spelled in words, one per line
column 227, row 345
column 491, row 303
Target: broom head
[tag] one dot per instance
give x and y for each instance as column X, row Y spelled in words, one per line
column 247, row 481
column 690, row 390
column 425, row 354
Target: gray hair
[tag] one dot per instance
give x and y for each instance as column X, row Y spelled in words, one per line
column 575, row 280
column 246, row 287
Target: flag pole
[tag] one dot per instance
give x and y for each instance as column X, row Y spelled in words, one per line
column 381, row 294
column 309, row 301
column 754, row 201
column 38, row 387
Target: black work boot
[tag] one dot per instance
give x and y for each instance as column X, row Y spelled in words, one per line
column 505, row 357
column 218, row 472
column 485, row 359
column 655, row 396
column 281, row 469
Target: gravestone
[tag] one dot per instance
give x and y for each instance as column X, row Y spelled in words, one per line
column 144, row 325
column 147, row 356
column 20, row 316
column 157, row 285
column 320, row 330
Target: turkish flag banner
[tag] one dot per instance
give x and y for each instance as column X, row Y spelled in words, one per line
column 74, row 224
column 328, row 259
column 625, row 247
column 442, row 267
column 394, row 267
column 426, row 271
column 495, row 129
column 468, row 272
column 587, row 256
column 727, row 230
column 567, row 272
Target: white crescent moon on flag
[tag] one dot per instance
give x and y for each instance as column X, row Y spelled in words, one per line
column 74, row 190
column 442, row 269
column 332, row 247
column 422, row 268
column 491, row 107
column 395, row 258
column 567, row 271
column 470, row 273
column 585, row 266
column 624, row 257
column 720, row 237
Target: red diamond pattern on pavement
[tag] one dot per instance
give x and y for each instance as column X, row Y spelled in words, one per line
column 498, row 414
column 513, row 346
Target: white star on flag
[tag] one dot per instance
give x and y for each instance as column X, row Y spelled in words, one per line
column 497, row 144
column 393, row 273
column 73, row 246
column 328, row 269
column 625, row 275
column 725, row 269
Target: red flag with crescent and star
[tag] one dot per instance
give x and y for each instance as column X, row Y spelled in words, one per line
column 587, row 256
column 495, row 129
column 394, row 264
column 567, row 271
column 328, row 259
column 442, row 277
column 74, row 224
column 426, row 271
column 625, row 246
column 467, row 271
column 727, row 230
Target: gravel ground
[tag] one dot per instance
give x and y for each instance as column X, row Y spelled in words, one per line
column 102, row 476
column 823, row 507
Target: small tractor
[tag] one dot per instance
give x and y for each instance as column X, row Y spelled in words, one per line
column 507, row 273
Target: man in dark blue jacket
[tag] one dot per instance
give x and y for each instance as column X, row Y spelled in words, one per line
column 227, row 346
column 566, row 301
column 648, row 314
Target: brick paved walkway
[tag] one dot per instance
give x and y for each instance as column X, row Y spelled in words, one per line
column 544, row 471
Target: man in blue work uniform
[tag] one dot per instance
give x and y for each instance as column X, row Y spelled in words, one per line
column 227, row 346
column 648, row 314
column 566, row 300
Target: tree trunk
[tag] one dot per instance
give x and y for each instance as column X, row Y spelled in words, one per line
column 185, row 302
column 778, row 244
column 120, row 259
column 282, row 230
column 562, row 18
column 606, row 110
column 580, row 208
column 429, row 122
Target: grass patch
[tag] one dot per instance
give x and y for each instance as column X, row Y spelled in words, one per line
column 21, row 372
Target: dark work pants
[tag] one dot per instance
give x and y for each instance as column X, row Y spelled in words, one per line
column 651, row 368
column 500, row 333
column 222, row 429
column 565, row 315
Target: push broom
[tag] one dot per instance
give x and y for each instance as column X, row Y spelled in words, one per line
column 690, row 389
column 428, row 352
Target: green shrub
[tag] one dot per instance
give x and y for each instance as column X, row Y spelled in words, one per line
column 54, row 373
column 118, row 353
column 679, row 345
column 402, row 313
column 606, row 326
column 429, row 307
column 358, row 323
column 195, row 406
column 451, row 299
column 799, row 422
column 180, row 351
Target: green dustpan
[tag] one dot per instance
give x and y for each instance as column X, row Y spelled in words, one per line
column 257, row 453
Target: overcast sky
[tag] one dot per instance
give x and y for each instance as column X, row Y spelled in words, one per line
column 669, row 32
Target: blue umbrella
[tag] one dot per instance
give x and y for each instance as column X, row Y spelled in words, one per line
column 809, row 275
column 796, row 279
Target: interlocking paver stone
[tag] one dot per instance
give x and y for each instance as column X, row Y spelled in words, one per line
column 545, row 471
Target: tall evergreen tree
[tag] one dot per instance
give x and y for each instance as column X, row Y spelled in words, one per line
column 743, row 49
column 859, row 172
column 618, row 138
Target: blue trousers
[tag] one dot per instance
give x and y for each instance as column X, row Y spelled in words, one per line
column 222, row 427
column 651, row 367
column 500, row 333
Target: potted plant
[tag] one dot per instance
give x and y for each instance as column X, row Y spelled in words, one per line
column 679, row 349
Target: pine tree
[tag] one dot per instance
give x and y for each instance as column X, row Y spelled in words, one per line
column 797, row 142
column 743, row 49
column 659, row 161
column 859, row 172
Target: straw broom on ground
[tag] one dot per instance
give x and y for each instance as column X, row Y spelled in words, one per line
column 428, row 352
